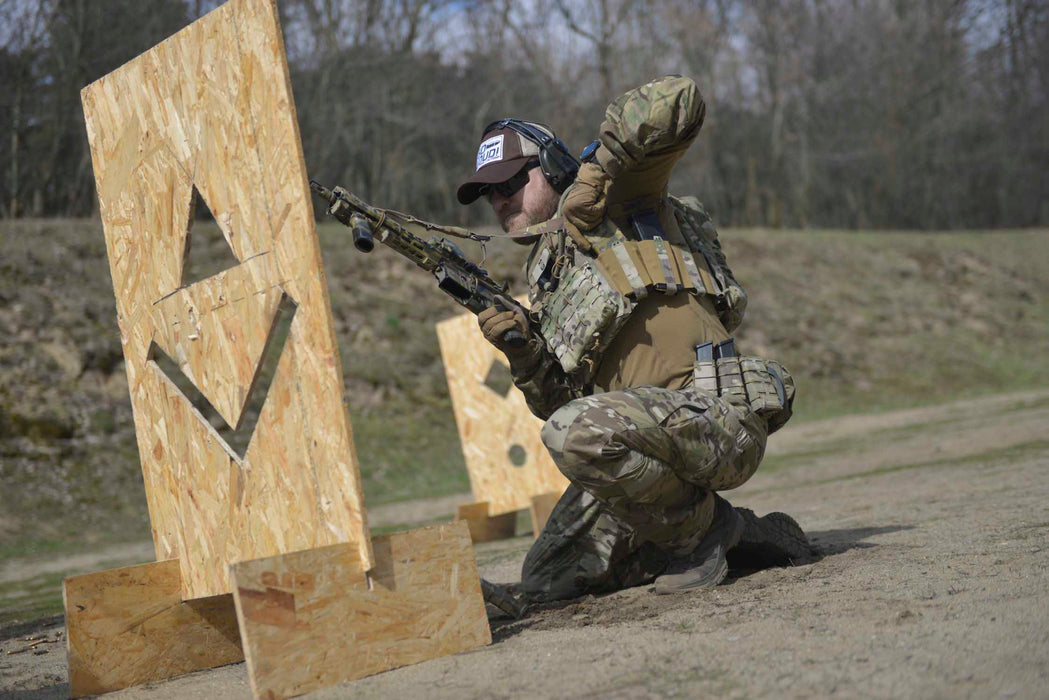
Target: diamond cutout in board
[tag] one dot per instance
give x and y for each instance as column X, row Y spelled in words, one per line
column 236, row 438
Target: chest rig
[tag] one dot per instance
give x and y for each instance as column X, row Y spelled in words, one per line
column 583, row 288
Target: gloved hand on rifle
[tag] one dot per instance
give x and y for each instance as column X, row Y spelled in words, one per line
column 497, row 320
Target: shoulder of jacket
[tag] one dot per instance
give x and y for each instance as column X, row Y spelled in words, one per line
column 688, row 204
column 691, row 208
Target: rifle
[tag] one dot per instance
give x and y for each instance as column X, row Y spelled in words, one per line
column 501, row 597
column 461, row 279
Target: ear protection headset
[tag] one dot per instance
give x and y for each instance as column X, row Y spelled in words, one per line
column 556, row 161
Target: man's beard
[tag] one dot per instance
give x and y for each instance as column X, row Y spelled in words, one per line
column 517, row 220
column 527, row 216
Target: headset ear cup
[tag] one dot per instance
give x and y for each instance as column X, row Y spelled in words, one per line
column 549, row 172
column 558, row 165
column 557, row 162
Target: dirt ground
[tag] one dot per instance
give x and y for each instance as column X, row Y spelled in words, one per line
column 933, row 525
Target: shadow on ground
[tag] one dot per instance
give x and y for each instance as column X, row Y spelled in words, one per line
column 641, row 603
column 59, row 691
column 830, row 542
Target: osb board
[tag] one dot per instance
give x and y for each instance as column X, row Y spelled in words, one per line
column 485, row 528
column 129, row 626
column 313, row 619
column 491, row 424
column 542, row 507
column 211, row 107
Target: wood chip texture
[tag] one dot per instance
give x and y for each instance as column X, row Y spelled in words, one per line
column 211, row 108
column 130, row 626
column 315, row 618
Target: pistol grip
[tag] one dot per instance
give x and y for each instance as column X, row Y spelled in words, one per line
column 514, row 339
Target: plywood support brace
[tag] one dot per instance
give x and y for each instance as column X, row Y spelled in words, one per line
column 542, row 506
column 485, row 527
column 312, row 619
column 306, row 620
column 130, row 626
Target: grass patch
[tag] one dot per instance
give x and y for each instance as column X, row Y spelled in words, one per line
column 408, row 453
column 31, row 599
column 801, row 458
column 32, row 546
column 65, row 540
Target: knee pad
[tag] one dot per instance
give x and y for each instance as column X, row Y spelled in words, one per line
column 556, row 430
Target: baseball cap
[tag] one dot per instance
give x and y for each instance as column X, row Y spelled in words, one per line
column 501, row 155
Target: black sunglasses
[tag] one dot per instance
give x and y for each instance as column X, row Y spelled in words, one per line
column 508, row 188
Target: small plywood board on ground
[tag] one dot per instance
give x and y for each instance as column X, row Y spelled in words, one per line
column 509, row 467
column 208, row 114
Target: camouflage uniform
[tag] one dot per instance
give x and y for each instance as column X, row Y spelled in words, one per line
column 643, row 448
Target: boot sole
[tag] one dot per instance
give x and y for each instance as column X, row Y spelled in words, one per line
column 773, row 540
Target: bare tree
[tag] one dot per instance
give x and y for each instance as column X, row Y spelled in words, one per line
column 824, row 112
column 25, row 32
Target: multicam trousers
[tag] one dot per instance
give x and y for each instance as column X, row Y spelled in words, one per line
column 643, row 464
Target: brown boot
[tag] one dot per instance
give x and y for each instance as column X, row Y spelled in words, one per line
column 706, row 566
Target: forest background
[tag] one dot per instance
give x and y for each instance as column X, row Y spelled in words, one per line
column 925, row 114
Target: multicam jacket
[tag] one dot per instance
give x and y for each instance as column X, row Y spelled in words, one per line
column 650, row 340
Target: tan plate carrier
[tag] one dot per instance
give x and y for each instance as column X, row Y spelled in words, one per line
column 264, row 555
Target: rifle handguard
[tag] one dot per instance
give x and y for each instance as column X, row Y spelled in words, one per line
column 463, row 280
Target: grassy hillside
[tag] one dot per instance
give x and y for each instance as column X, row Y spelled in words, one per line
column 865, row 321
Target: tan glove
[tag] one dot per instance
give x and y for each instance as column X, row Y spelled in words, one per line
column 584, row 204
column 495, row 321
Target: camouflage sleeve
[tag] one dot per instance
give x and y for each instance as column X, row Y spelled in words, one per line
column 735, row 296
column 542, row 381
column 658, row 118
column 698, row 221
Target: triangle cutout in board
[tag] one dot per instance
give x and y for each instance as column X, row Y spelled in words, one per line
column 207, row 250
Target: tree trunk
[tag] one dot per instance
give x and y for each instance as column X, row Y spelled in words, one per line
column 16, row 125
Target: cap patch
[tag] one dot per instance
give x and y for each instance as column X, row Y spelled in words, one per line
column 491, row 149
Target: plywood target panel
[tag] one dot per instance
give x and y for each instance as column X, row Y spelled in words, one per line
column 505, row 457
column 210, row 111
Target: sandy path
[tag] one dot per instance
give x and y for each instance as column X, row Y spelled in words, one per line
column 934, row 525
